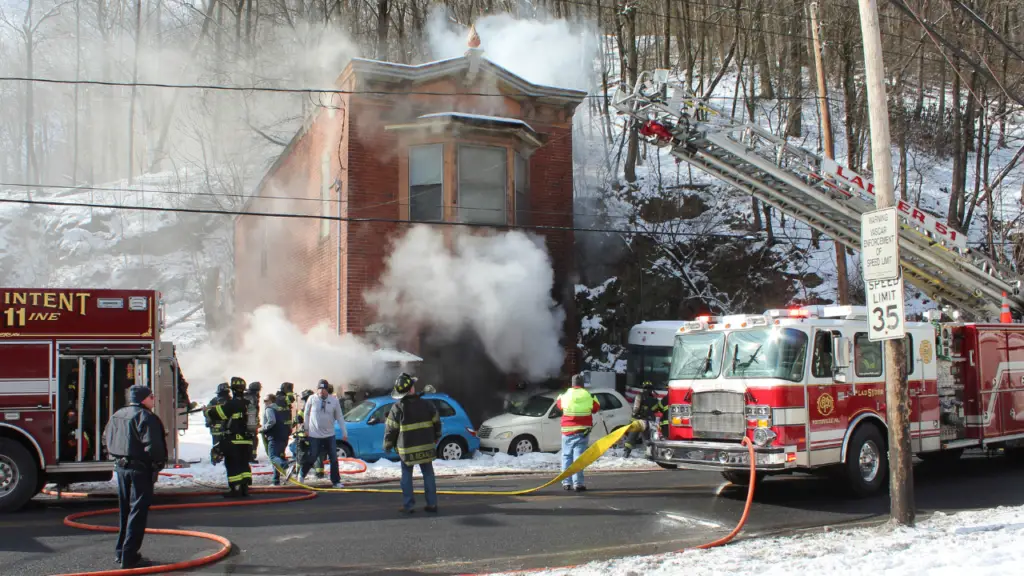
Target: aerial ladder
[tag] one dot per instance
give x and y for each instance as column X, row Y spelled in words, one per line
column 820, row 192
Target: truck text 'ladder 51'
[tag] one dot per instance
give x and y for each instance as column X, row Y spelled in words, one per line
column 820, row 192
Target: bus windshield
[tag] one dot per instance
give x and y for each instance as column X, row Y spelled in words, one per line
column 766, row 353
column 697, row 356
column 648, row 363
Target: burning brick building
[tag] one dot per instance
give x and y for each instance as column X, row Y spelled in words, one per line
column 458, row 140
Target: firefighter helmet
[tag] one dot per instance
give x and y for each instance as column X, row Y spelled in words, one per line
column 306, row 394
column 237, row 385
column 403, row 384
column 647, row 385
column 255, row 387
column 223, row 389
column 287, row 387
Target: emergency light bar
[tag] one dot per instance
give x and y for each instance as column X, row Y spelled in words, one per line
column 846, row 312
column 802, row 312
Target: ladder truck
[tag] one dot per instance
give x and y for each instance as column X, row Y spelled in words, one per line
column 806, row 386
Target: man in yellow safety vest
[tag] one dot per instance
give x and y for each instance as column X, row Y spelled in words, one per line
column 578, row 408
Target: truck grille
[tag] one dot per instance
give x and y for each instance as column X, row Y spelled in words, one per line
column 718, row 415
column 484, row 432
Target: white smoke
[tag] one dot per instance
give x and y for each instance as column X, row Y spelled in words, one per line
column 498, row 286
column 273, row 350
column 548, row 52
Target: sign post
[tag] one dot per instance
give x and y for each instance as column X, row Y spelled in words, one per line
column 883, row 282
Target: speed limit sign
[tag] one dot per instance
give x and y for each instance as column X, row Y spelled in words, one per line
column 885, row 309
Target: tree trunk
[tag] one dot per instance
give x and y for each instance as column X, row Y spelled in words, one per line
column 794, row 117
column 764, row 67
column 959, row 176
column 628, row 16
column 850, row 106
column 667, row 36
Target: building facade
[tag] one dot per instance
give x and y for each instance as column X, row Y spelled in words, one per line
column 458, row 140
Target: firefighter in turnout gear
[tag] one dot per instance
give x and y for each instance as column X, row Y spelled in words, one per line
column 252, row 407
column 235, row 442
column 214, row 423
column 301, row 448
column 646, row 406
column 414, row 428
column 318, row 466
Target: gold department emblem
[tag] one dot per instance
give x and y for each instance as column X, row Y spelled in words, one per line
column 826, row 404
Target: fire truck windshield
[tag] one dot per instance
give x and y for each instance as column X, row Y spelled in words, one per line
column 766, row 353
column 697, row 356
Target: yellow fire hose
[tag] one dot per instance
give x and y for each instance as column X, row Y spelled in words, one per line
column 595, row 451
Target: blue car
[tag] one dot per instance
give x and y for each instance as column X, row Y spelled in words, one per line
column 365, row 426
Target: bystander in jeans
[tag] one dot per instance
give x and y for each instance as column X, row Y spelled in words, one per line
column 322, row 411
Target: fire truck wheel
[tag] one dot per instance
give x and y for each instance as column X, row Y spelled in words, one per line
column 867, row 467
column 18, row 475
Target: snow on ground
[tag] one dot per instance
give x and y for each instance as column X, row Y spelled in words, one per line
column 977, row 542
column 194, row 445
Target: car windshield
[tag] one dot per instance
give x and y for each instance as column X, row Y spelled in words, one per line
column 359, row 412
column 535, row 406
column 648, row 363
column 766, row 353
column 697, row 356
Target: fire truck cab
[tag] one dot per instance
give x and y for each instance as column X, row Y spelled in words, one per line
column 807, row 387
column 67, row 359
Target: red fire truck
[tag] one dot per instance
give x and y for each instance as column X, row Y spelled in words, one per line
column 807, row 387
column 67, row 359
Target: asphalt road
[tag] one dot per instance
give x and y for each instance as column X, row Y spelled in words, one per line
column 622, row 514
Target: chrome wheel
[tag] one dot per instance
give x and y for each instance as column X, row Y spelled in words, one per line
column 8, row 475
column 451, row 451
column 524, row 446
column 869, row 461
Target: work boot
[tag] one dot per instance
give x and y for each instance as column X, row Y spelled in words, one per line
column 566, row 486
column 244, row 490
column 626, row 452
column 406, row 511
column 431, row 509
column 137, row 562
column 580, row 488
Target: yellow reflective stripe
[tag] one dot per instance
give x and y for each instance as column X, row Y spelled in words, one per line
column 417, row 426
column 391, row 423
column 220, row 412
column 409, row 449
column 574, row 428
column 241, row 476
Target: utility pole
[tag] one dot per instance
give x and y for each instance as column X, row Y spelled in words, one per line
column 897, row 404
column 843, row 285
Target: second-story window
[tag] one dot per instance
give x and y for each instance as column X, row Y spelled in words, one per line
column 482, row 185
column 426, row 183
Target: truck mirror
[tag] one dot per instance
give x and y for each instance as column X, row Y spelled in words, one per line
column 840, row 352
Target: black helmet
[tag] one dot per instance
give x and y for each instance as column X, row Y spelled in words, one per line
column 299, row 418
column 403, row 384
column 223, row 389
column 306, row 394
column 647, row 385
column 255, row 387
column 287, row 387
column 237, row 385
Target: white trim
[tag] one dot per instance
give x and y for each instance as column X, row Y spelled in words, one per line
column 24, row 386
column 826, row 435
column 931, row 444
column 856, row 421
column 39, row 451
column 789, row 416
column 827, row 456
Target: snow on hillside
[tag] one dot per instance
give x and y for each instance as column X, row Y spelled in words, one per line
column 88, row 247
column 977, row 542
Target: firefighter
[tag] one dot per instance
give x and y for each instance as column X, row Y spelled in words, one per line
column 252, row 408
column 216, row 425
column 413, row 427
column 645, row 406
column 288, row 393
column 276, row 434
column 301, row 448
column 235, row 443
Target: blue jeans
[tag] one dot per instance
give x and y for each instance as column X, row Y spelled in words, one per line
column 573, row 446
column 429, row 485
column 275, row 450
column 324, row 448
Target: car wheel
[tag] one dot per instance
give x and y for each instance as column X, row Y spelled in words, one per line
column 521, row 445
column 344, row 450
column 452, row 449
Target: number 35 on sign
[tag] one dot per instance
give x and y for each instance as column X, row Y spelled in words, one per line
column 885, row 309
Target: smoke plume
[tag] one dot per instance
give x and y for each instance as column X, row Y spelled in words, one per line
column 273, row 350
column 498, row 286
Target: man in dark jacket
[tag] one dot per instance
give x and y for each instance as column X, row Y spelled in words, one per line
column 252, row 407
column 135, row 438
column 216, row 425
column 235, row 443
column 414, row 427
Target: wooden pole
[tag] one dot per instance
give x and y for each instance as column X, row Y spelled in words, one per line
column 842, row 278
column 897, row 405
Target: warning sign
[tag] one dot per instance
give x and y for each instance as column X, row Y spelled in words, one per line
column 879, row 244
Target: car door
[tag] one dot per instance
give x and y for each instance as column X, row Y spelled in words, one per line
column 614, row 411
column 550, row 433
column 449, row 422
column 373, row 433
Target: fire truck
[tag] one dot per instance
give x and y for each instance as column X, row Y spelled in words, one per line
column 67, row 359
column 806, row 386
